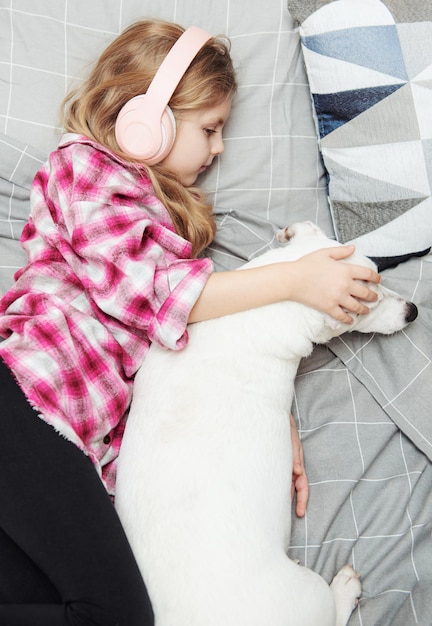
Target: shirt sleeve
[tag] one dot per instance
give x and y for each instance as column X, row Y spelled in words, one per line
column 133, row 277
column 118, row 242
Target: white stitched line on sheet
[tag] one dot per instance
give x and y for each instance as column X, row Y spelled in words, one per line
column 10, row 69
column 216, row 167
column 410, row 424
column 354, row 408
column 10, row 211
column 328, row 542
column 413, row 607
column 402, row 391
column 38, row 69
column 390, row 401
column 418, row 281
column 222, row 253
column 371, row 537
column 217, row 164
column 354, row 354
column 227, row 18
column 30, row 156
column 65, row 46
column 38, row 124
column 347, row 423
column 250, row 230
column 354, row 517
column 54, row 19
column 120, row 22
column 404, row 591
column 416, row 346
column 18, row 163
column 262, row 189
column 262, row 32
column 271, row 109
column 306, row 539
column 255, row 86
column 407, row 508
column 260, row 250
column 273, row 136
column 335, row 370
column 364, row 480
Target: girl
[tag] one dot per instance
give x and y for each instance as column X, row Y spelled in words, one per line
column 113, row 250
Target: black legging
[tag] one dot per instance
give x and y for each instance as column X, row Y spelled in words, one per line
column 64, row 558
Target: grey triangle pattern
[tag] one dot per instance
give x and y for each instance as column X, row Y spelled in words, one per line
column 382, row 123
column 368, row 188
column 355, row 219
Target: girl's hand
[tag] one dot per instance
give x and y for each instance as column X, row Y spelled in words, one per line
column 300, row 485
column 335, row 288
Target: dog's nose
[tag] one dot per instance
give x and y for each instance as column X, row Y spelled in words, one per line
column 412, row 312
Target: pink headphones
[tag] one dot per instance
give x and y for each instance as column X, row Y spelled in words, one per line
column 145, row 127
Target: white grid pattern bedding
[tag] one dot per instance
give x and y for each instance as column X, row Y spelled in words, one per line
column 371, row 487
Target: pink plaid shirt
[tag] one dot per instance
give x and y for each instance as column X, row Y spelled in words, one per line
column 106, row 276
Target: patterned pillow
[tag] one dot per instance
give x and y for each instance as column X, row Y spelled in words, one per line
column 369, row 66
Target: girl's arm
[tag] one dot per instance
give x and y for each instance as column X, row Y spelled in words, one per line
column 316, row 280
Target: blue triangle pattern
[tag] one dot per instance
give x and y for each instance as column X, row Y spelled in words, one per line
column 359, row 46
column 335, row 109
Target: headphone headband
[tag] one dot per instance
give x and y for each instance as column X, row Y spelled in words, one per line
column 175, row 64
column 145, row 126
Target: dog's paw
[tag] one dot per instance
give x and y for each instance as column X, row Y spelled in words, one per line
column 346, row 587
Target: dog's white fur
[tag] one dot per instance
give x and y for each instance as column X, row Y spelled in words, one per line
column 205, row 467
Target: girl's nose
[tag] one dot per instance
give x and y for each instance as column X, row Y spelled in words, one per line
column 217, row 145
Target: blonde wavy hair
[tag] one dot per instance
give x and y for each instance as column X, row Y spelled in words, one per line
column 124, row 70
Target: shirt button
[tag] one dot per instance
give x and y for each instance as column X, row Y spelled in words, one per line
column 107, row 439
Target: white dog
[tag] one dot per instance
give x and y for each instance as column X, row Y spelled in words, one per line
column 205, row 468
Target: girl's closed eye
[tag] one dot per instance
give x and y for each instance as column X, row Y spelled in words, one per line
column 210, row 131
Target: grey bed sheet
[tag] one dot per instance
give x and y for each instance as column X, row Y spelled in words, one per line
column 370, row 495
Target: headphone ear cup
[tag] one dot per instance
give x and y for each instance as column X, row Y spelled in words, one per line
column 168, row 132
column 141, row 134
